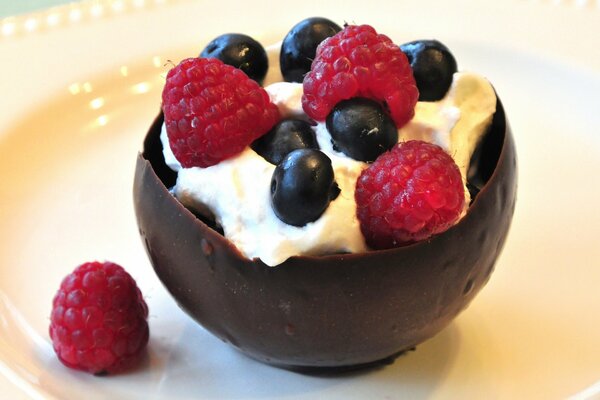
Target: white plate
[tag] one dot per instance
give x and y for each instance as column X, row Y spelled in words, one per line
column 80, row 85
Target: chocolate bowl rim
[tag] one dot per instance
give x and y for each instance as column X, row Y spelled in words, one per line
column 506, row 137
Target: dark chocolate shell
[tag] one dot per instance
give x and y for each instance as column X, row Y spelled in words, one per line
column 336, row 310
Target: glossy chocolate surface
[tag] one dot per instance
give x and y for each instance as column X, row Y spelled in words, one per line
column 330, row 311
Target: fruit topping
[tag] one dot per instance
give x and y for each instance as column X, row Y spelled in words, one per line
column 433, row 66
column 408, row 194
column 99, row 319
column 361, row 129
column 302, row 186
column 240, row 51
column 213, row 111
column 300, row 45
column 287, row 135
column 359, row 62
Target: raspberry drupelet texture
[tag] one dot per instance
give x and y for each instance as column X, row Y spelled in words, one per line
column 213, row 111
column 99, row 319
column 408, row 194
column 359, row 62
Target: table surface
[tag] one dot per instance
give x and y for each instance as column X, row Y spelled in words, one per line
column 8, row 8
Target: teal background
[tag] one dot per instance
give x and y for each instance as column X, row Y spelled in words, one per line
column 14, row 7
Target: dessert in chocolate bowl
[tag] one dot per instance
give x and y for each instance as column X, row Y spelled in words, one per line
column 336, row 304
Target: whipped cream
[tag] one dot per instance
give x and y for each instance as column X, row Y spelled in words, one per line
column 236, row 190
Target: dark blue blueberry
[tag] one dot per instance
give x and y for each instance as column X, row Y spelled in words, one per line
column 433, row 66
column 286, row 136
column 300, row 45
column 361, row 129
column 240, row 51
column 302, row 187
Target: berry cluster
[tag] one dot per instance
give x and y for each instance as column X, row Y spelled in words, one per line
column 365, row 87
column 356, row 80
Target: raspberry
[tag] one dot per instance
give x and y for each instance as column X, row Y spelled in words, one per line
column 408, row 194
column 358, row 62
column 98, row 321
column 213, row 111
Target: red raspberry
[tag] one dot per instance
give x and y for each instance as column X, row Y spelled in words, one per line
column 213, row 111
column 408, row 194
column 98, row 321
column 358, row 62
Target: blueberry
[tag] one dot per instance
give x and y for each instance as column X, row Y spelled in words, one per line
column 361, row 129
column 300, row 45
column 287, row 135
column 433, row 66
column 302, row 187
column 240, row 51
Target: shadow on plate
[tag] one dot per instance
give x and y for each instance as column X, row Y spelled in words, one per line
column 201, row 365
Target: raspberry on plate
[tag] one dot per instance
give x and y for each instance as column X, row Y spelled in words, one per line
column 408, row 194
column 359, row 62
column 213, row 111
column 99, row 319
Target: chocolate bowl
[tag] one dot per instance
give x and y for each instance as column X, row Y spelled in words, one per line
column 341, row 310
